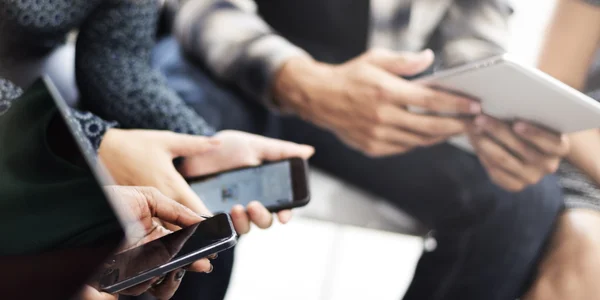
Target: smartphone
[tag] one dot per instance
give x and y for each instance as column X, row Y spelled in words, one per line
column 277, row 185
column 168, row 253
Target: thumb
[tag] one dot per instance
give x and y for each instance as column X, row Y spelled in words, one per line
column 401, row 63
column 183, row 145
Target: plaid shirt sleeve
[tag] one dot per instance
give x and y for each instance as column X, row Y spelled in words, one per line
column 231, row 39
column 474, row 29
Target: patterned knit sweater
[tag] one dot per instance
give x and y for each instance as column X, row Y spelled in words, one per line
column 112, row 60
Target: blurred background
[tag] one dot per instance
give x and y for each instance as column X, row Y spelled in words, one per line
column 342, row 246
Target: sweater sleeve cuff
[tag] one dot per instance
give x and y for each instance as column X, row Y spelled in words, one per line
column 580, row 191
column 582, row 203
column 265, row 58
column 92, row 127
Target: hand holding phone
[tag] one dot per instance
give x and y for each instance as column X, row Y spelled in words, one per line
column 141, row 266
column 277, row 185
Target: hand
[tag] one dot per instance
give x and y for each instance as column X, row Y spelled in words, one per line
column 517, row 155
column 239, row 149
column 144, row 206
column 364, row 101
column 165, row 290
column 571, row 268
column 145, row 158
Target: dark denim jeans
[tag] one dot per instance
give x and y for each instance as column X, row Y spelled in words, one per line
column 489, row 240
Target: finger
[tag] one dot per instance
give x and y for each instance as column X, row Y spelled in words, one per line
column 371, row 147
column 140, row 288
column 398, row 91
column 408, row 93
column 401, row 136
column 425, row 129
column 259, row 215
column 502, row 132
column 185, row 193
column 545, row 141
column 284, row 216
column 273, row 150
column 502, row 178
column 240, row 219
column 400, row 63
column 90, row 293
column 167, row 209
column 201, row 266
column 432, row 126
column 499, row 158
column 183, row 145
column 169, row 286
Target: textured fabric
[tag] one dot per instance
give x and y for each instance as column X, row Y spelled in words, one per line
column 114, row 74
column 116, row 37
column 580, row 191
column 8, row 92
column 240, row 47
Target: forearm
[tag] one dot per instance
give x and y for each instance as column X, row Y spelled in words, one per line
column 235, row 44
column 568, row 51
column 114, row 75
column 582, row 145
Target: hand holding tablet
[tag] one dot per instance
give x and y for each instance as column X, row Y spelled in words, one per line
column 510, row 91
column 520, row 136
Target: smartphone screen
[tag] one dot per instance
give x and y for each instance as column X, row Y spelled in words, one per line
column 271, row 184
column 171, row 248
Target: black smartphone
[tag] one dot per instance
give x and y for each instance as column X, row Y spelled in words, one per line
column 277, row 185
column 168, row 253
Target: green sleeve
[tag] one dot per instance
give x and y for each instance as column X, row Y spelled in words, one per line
column 46, row 203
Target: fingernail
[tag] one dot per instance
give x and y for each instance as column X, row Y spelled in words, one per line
column 475, row 108
column 210, row 270
column 213, row 256
column 179, row 275
column 426, row 52
column 159, row 281
column 520, row 128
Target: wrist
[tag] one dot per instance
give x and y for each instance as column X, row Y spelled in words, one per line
column 109, row 139
column 299, row 83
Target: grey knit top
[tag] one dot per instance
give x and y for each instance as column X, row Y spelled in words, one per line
column 112, row 58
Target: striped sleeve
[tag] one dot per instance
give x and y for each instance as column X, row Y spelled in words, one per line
column 580, row 190
column 474, row 29
column 593, row 2
column 231, row 39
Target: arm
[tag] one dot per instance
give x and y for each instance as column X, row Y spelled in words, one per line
column 235, row 43
column 474, row 30
column 570, row 268
column 569, row 49
column 114, row 73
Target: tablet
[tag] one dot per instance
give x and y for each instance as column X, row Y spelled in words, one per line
column 511, row 91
